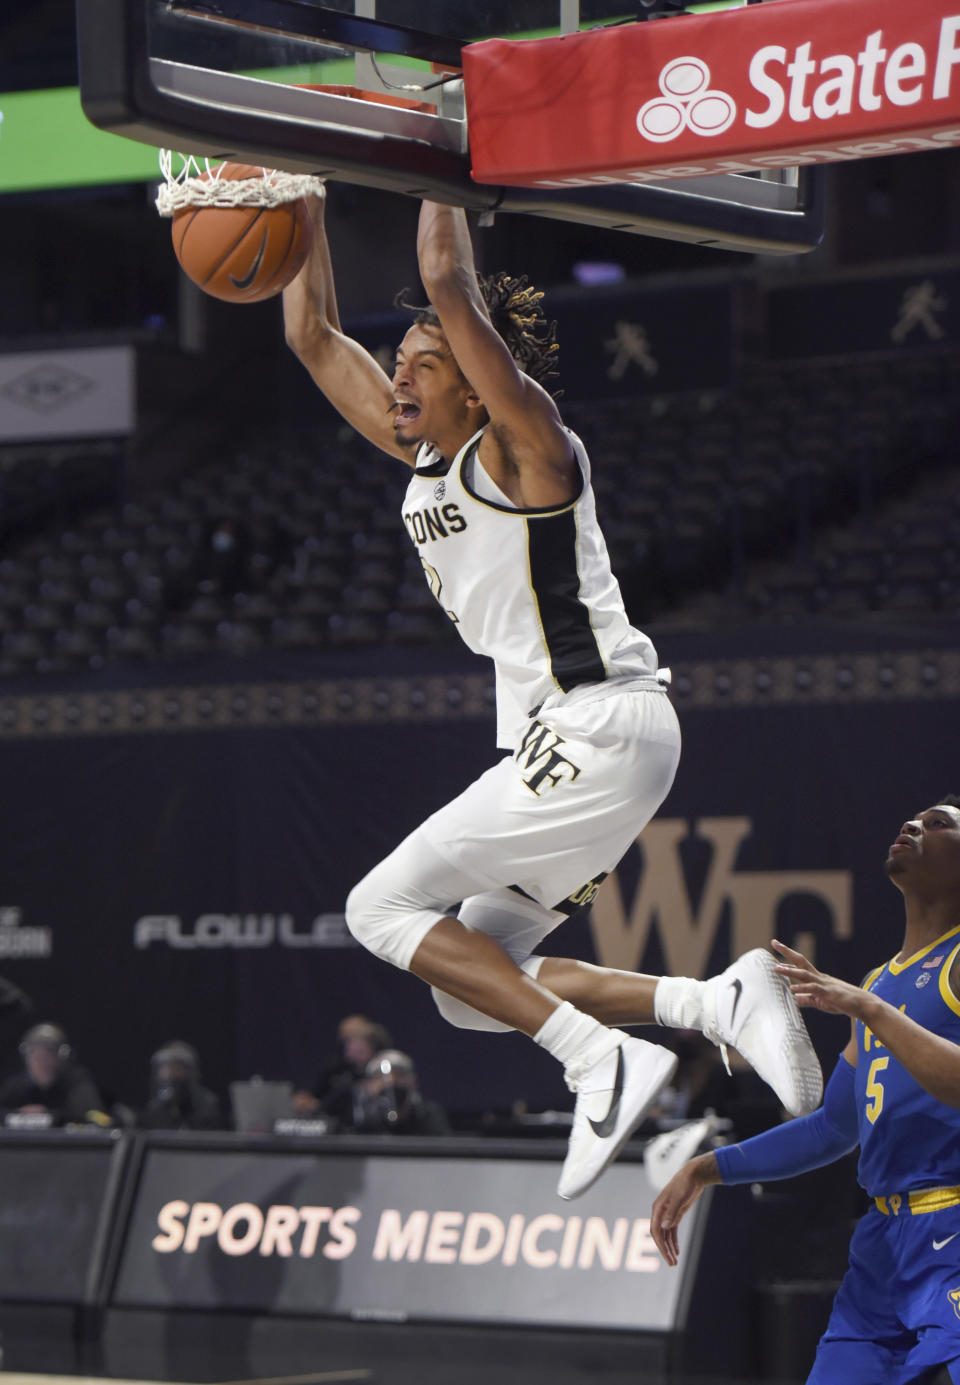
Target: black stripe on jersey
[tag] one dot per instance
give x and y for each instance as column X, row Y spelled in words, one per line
column 438, row 468
column 571, row 644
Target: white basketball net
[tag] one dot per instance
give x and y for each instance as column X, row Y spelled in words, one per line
column 192, row 182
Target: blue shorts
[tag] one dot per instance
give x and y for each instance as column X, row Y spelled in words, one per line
column 897, row 1312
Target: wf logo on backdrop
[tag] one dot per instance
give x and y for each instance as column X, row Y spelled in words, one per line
column 687, row 933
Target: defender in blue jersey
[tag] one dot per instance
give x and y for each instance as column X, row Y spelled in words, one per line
column 896, row 1092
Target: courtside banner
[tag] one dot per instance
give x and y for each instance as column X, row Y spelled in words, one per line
column 799, row 82
column 375, row 1236
column 55, row 1207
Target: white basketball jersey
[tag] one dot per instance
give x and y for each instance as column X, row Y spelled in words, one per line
column 531, row 589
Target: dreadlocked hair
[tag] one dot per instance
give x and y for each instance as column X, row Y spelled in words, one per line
column 516, row 311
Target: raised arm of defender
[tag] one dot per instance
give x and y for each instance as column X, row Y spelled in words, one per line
column 809, row 1142
column 525, row 451
column 347, row 374
column 930, row 1059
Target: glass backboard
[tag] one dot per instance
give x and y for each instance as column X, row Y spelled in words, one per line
column 240, row 79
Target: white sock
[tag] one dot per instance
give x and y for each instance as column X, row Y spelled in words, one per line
column 576, row 1040
column 678, row 1002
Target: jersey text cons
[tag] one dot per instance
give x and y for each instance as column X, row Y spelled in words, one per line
column 424, row 525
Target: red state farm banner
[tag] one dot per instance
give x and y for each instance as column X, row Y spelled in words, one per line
column 797, row 82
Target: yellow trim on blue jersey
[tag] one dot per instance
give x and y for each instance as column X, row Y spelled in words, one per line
column 946, row 990
column 919, row 1201
column 867, row 1032
column 897, row 967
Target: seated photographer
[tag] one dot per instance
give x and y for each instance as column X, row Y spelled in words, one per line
column 334, row 1091
column 387, row 1100
column 52, row 1089
column 178, row 1099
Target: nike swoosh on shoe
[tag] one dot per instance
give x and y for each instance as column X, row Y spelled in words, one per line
column 605, row 1127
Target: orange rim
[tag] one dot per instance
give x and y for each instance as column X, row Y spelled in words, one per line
column 381, row 98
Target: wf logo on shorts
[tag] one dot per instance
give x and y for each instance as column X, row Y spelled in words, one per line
column 954, row 1296
column 686, row 103
column 538, row 753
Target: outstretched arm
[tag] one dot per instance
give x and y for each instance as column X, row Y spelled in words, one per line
column 931, row 1060
column 675, row 1201
column 530, row 455
column 809, row 1142
column 346, row 373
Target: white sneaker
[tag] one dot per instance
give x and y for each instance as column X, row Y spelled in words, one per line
column 750, row 1007
column 613, row 1096
column 666, row 1154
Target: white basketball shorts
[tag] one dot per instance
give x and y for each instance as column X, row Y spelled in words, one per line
column 521, row 847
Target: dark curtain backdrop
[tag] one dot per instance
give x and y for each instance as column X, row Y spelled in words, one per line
column 270, row 827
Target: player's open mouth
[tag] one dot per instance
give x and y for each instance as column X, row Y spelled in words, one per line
column 406, row 411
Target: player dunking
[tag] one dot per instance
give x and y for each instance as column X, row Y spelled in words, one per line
column 501, row 511
column 896, row 1092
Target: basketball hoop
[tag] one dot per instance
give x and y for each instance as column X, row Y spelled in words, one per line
column 197, row 183
column 193, row 100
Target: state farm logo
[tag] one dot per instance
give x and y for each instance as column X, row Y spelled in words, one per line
column 805, row 84
column 686, row 103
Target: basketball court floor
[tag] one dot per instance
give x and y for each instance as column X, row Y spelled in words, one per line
column 235, row 1349
column 318, row 1378
column 398, row 1374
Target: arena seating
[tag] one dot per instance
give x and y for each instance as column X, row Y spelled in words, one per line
column 42, row 482
column 809, row 492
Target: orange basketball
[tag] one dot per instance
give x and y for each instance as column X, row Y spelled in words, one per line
column 242, row 254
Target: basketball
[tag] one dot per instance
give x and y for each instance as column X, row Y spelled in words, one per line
column 242, row 254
